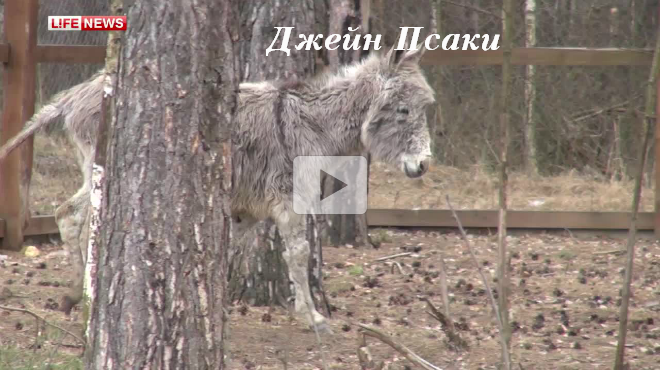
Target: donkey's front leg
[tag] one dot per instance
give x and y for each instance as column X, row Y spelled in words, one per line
column 296, row 256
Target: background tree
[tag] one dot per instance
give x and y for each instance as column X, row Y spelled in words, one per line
column 347, row 18
column 258, row 273
column 530, row 91
column 161, row 284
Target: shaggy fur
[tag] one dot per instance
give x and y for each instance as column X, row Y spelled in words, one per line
column 378, row 105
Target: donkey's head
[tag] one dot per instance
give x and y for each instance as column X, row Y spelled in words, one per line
column 396, row 130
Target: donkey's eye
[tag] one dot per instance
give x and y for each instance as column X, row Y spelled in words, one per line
column 402, row 110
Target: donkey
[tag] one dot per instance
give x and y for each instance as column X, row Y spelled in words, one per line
column 378, row 105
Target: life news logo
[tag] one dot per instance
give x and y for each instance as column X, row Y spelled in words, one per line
column 86, row 23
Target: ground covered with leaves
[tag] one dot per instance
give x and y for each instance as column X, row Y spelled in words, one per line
column 564, row 306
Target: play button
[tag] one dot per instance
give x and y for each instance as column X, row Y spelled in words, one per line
column 348, row 175
column 337, row 183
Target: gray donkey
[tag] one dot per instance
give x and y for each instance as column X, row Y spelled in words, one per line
column 378, row 105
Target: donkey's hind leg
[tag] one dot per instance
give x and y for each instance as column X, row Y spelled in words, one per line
column 73, row 223
column 296, row 255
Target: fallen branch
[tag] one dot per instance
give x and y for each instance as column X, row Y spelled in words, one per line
column 364, row 356
column 40, row 318
column 405, row 254
column 614, row 252
column 447, row 326
column 405, row 351
column 489, row 292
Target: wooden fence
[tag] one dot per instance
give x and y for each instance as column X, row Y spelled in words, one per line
column 20, row 55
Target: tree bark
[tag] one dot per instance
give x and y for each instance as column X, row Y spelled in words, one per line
column 503, row 263
column 113, row 53
column 531, row 155
column 161, row 276
column 258, row 273
column 345, row 18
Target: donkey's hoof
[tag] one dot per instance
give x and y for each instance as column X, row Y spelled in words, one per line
column 67, row 304
column 322, row 327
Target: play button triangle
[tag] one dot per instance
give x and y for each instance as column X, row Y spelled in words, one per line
column 335, row 182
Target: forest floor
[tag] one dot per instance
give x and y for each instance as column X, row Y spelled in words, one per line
column 564, row 299
column 564, row 306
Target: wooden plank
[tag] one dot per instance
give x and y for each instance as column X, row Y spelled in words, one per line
column 19, row 71
column 544, row 56
column 71, row 54
column 515, row 219
column 39, row 225
column 86, row 54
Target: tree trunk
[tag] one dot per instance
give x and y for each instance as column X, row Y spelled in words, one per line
column 531, row 155
column 162, row 249
column 503, row 281
column 345, row 15
column 257, row 272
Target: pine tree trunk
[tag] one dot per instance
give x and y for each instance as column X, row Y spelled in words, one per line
column 345, row 16
column 161, row 279
column 258, row 273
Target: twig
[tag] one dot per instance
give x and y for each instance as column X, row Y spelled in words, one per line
column 630, row 245
column 483, row 11
column 40, row 318
column 489, row 292
column 448, row 327
column 614, row 252
column 398, row 265
column 584, row 115
column 54, row 351
column 445, row 321
column 405, row 351
column 443, row 285
column 406, row 254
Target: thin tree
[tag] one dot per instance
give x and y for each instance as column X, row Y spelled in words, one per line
column 505, row 100
column 530, row 92
column 162, row 248
column 649, row 117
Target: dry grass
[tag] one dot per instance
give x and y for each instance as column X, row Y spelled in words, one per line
column 476, row 189
column 56, row 177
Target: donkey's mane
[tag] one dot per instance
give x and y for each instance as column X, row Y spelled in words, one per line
column 343, row 76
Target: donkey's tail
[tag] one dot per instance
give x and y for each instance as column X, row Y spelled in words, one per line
column 43, row 117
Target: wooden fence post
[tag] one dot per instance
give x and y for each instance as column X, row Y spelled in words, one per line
column 20, row 27
column 656, row 163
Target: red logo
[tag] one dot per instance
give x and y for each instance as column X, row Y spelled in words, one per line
column 89, row 23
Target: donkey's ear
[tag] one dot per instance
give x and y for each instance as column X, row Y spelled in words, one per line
column 413, row 56
column 391, row 57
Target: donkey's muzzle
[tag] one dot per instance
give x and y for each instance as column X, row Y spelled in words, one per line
column 416, row 171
